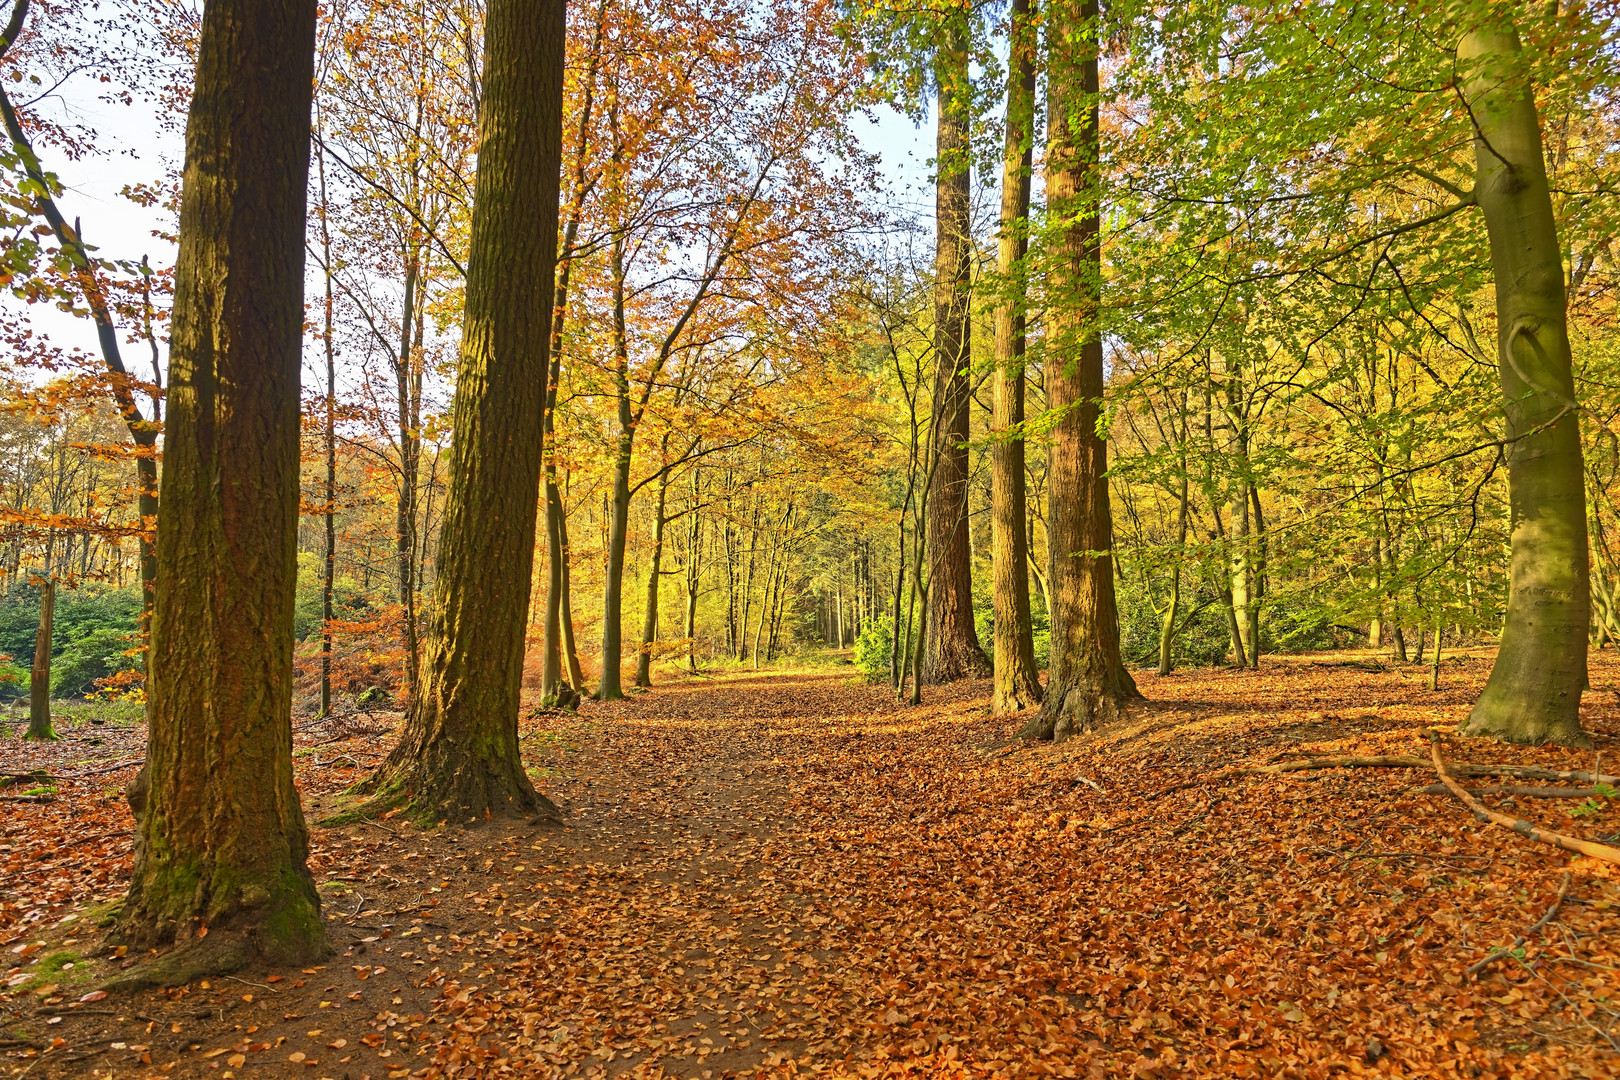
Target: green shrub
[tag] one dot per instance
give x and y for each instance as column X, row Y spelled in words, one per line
column 873, row 648
column 96, row 655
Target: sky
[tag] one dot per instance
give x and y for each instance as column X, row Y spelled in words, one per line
column 133, row 147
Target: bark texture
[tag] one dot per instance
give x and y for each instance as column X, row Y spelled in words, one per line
column 952, row 650
column 1087, row 684
column 39, row 676
column 220, row 839
column 458, row 758
column 1534, row 691
column 1017, row 683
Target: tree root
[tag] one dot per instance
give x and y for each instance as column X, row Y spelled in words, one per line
column 1484, row 813
column 1399, row 761
column 216, row 954
column 1497, row 954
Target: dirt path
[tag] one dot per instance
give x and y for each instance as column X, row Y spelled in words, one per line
column 786, row 874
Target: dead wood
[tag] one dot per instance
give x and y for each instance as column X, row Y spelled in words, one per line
column 1497, row 954
column 1508, row 821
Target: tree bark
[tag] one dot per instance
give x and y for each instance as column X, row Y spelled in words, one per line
column 649, row 622
column 410, row 456
column 220, row 839
column 610, row 688
column 1534, row 691
column 458, row 758
column 1087, row 685
column 1017, row 684
column 39, row 678
column 952, row 645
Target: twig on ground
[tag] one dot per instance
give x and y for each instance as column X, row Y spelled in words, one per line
column 1508, row 821
column 245, row 982
column 1496, row 954
column 1510, row 789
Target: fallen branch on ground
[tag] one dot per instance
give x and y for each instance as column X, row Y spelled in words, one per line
column 1508, row 821
column 1497, row 954
column 1511, row 789
column 1400, row 761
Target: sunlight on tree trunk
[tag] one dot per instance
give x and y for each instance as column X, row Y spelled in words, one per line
column 39, row 678
column 1087, row 685
column 1534, row 692
column 1017, row 685
column 220, row 844
column 458, row 758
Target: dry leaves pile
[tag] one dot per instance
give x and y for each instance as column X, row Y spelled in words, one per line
column 789, row 874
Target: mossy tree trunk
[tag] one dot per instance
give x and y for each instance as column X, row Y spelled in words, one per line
column 1087, row 685
column 458, row 758
column 952, row 644
column 1017, row 685
column 1534, row 691
column 220, row 840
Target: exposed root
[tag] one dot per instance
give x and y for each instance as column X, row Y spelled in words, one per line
column 217, row 954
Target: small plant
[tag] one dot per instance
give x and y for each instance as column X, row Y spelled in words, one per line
column 1591, row 807
column 873, row 647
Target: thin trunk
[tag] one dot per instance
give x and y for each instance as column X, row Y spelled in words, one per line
column 329, row 570
column 609, row 688
column 899, row 591
column 220, row 840
column 458, row 756
column 693, row 568
column 649, row 624
column 1172, row 611
column 1534, row 691
column 1088, row 685
column 39, row 679
column 409, row 458
column 1017, row 683
column 1434, row 661
column 570, row 647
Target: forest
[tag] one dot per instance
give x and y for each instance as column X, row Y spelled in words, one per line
column 721, row 538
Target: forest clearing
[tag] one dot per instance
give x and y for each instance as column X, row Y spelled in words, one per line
column 718, row 538
column 792, row 874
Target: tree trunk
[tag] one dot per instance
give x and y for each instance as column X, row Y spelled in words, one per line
column 576, row 674
column 694, row 536
column 458, row 758
column 1017, row 684
column 952, row 644
column 409, row 456
column 220, row 839
column 1534, row 691
column 1172, row 611
column 329, row 568
column 609, row 688
column 649, row 622
column 39, row 679
column 1088, row 685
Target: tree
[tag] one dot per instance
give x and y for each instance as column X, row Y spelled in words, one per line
column 458, row 756
column 952, row 650
column 221, row 843
column 1534, row 691
column 1087, row 685
column 1017, row 683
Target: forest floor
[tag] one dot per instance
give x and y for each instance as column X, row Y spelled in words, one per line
column 783, row 873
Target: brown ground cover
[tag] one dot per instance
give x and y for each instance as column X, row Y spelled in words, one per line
column 787, row 873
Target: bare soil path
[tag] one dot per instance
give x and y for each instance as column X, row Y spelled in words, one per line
column 787, row 873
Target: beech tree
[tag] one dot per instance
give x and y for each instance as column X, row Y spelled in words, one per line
column 458, row 755
column 220, row 843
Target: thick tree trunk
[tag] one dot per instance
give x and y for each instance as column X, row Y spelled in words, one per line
column 1017, row 684
column 952, row 643
column 458, row 757
column 39, row 678
column 1087, row 685
column 1534, row 691
column 220, row 838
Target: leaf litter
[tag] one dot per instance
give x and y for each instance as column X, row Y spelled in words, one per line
column 782, row 874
